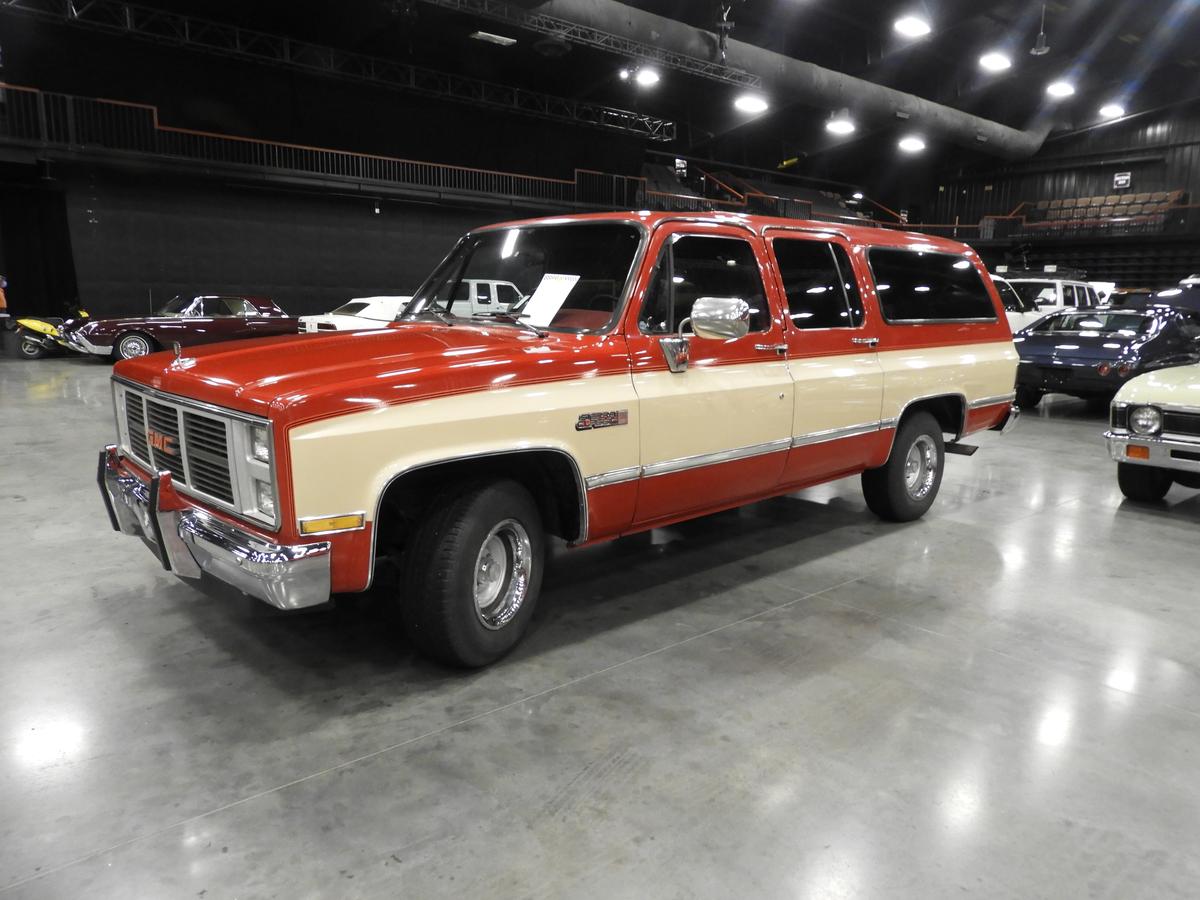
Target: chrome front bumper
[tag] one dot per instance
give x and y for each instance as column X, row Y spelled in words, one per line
column 78, row 342
column 1164, row 452
column 190, row 541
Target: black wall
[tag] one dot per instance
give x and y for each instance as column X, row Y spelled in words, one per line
column 1160, row 149
column 142, row 238
column 35, row 243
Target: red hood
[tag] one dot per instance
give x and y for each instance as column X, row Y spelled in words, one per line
column 309, row 376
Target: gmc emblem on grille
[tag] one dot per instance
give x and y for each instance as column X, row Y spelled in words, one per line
column 606, row 419
column 162, row 442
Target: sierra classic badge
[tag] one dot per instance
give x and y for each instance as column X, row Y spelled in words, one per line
column 606, row 419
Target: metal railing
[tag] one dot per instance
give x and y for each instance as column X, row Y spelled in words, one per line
column 50, row 122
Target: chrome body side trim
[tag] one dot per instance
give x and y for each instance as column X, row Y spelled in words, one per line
column 669, row 466
column 1161, row 451
column 191, row 542
column 616, row 476
column 992, row 401
column 835, row 434
column 580, row 486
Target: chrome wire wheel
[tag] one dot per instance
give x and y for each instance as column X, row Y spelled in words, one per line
column 133, row 346
column 920, row 467
column 502, row 572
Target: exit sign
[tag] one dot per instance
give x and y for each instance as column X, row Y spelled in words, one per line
column 1122, row 181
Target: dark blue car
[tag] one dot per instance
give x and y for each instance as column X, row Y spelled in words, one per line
column 1091, row 353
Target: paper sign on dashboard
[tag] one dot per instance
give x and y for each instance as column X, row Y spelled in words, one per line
column 548, row 299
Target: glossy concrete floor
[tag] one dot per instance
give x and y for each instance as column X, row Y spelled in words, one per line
column 793, row 700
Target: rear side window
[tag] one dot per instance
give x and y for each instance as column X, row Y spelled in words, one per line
column 916, row 286
column 819, row 284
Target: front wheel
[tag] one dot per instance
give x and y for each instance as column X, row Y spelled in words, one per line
column 473, row 574
column 905, row 486
column 1144, row 484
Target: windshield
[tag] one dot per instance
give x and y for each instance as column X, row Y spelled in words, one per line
column 1125, row 324
column 353, row 308
column 175, row 306
column 1039, row 293
column 564, row 277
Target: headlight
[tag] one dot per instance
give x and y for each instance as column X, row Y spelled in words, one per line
column 1145, row 420
column 260, row 443
column 264, row 496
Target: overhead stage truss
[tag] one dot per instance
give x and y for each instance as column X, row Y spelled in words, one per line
column 230, row 40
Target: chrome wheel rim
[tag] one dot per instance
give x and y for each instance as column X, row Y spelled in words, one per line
column 502, row 571
column 30, row 349
column 135, row 346
column 920, row 467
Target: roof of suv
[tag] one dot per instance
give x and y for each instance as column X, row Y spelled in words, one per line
column 876, row 235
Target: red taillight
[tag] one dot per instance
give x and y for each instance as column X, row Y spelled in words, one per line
column 1104, row 368
column 1124, row 369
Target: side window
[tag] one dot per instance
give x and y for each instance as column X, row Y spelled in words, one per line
column 819, row 284
column 236, row 306
column 213, row 306
column 1011, row 300
column 693, row 267
column 506, row 294
column 918, row 286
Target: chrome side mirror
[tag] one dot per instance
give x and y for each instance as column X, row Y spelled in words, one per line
column 720, row 318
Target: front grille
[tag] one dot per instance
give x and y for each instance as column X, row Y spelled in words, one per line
column 194, row 447
column 135, row 423
column 207, row 443
column 1182, row 423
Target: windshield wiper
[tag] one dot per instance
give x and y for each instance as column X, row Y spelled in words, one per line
column 512, row 318
column 432, row 310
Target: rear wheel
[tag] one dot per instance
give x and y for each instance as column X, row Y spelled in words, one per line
column 1028, row 398
column 1145, row 484
column 30, row 349
column 133, row 345
column 473, row 573
column 904, row 487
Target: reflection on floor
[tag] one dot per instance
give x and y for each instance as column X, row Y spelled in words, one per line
column 790, row 700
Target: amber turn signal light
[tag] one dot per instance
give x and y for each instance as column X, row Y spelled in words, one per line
column 332, row 523
column 1136, row 451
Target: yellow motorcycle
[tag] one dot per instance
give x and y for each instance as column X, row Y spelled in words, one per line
column 41, row 337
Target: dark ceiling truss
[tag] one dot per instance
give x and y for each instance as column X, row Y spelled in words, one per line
column 228, row 40
column 499, row 11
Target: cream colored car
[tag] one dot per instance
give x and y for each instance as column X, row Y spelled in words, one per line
column 1154, row 432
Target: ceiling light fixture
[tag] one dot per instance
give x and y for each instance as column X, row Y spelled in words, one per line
column 840, row 123
column 911, row 144
column 1060, row 89
column 1112, row 110
column 647, row 77
column 624, row 74
column 1040, row 47
column 912, row 26
column 498, row 39
column 995, row 61
column 857, row 195
column 751, row 103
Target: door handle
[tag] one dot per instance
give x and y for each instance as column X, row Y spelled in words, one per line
column 867, row 342
column 780, row 349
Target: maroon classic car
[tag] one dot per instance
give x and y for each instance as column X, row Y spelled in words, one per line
column 187, row 321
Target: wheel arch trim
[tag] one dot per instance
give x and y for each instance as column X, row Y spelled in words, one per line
column 580, row 487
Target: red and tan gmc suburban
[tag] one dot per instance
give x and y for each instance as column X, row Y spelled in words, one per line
column 657, row 367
